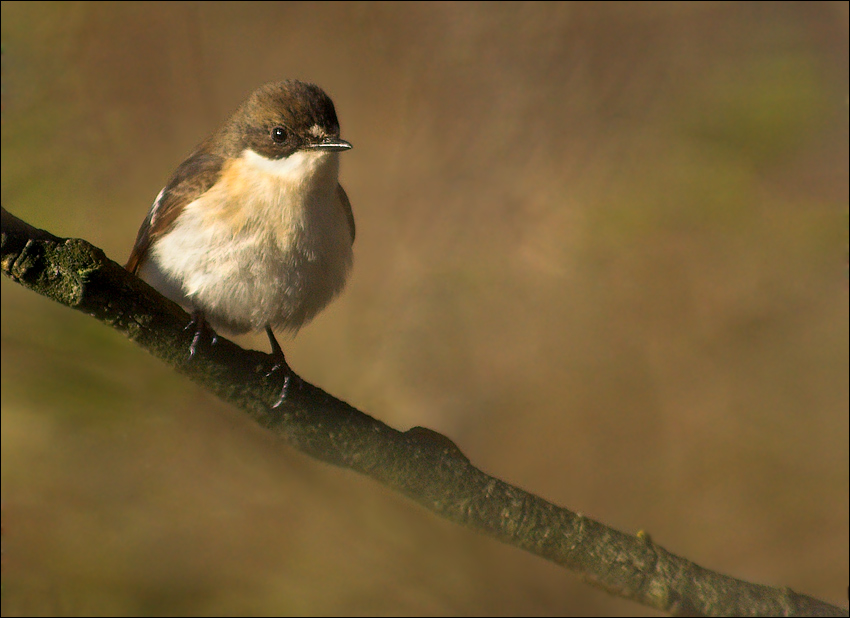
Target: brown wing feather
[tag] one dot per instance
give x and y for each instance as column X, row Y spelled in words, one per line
column 347, row 207
column 192, row 179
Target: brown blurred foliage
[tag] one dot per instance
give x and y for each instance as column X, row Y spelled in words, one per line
column 602, row 246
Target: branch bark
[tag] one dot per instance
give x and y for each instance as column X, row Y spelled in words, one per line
column 421, row 464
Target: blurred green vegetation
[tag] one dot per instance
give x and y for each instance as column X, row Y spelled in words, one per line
column 602, row 246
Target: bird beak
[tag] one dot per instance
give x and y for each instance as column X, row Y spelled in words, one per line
column 332, row 144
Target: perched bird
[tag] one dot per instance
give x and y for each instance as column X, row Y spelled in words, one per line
column 253, row 230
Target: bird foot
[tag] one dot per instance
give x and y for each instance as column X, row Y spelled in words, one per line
column 290, row 378
column 202, row 330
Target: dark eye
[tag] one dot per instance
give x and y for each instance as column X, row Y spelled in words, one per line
column 279, row 135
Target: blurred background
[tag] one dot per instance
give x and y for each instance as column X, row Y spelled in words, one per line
column 601, row 246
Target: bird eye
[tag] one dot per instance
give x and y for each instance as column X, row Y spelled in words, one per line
column 279, row 135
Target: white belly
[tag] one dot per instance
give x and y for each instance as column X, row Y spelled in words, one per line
column 258, row 249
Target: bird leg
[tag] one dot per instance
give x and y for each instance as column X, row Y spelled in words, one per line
column 280, row 364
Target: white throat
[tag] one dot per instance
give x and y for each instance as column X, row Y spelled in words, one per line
column 299, row 167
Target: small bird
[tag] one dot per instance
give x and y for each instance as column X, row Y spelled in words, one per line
column 253, row 230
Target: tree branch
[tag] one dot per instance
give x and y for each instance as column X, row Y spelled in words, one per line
column 421, row 464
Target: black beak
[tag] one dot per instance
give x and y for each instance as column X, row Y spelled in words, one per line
column 333, row 144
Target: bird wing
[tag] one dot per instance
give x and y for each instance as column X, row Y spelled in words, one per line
column 346, row 205
column 192, row 179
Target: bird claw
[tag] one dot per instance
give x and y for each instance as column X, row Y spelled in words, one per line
column 290, row 378
column 201, row 328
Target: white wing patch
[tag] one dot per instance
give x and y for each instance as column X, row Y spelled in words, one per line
column 155, row 208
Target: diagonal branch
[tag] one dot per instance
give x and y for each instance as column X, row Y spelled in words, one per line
column 421, row 464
